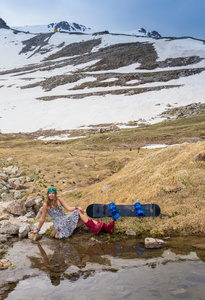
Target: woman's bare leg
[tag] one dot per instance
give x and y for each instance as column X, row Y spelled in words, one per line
column 83, row 219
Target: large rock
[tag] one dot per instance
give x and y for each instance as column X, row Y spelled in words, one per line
column 17, row 207
column 153, row 243
column 34, row 236
column 30, row 201
column 17, row 183
column 8, row 228
column 3, row 206
column 24, row 230
column 4, row 217
column 6, row 197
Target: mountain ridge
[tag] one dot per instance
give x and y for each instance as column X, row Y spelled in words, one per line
column 64, row 26
column 83, row 80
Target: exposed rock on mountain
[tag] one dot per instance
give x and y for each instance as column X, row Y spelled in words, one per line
column 3, row 24
column 63, row 25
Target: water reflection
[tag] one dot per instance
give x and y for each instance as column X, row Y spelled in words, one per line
column 65, row 255
column 53, row 269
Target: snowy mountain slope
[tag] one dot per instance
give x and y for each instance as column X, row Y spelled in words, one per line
column 66, row 81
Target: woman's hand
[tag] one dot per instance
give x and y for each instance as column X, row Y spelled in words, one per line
column 34, row 231
column 80, row 209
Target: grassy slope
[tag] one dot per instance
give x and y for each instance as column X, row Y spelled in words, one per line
column 86, row 165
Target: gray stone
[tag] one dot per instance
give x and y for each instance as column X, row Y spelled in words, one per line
column 8, row 228
column 6, row 197
column 106, row 187
column 34, row 236
column 24, row 230
column 153, row 243
column 4, row 217
column 179, row 292
column 30, row 202
column 17, row 195
column 17, row 207
column 46, row 226
column 30, row 214
column 130, row 232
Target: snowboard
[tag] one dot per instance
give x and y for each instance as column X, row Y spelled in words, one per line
column 103, row 210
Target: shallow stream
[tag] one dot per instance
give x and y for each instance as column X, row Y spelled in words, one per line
column 58, row 269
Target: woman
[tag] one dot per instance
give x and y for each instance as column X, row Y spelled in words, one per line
column 66, row 224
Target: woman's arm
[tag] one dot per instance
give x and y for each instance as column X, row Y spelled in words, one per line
column 70, row 208
column 42, row 219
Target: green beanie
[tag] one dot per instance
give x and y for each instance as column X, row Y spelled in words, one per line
column 51, row 190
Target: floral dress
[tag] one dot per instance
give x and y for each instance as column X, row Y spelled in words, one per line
column 64, row 224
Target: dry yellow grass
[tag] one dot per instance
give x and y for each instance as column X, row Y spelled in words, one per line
column 144, row 180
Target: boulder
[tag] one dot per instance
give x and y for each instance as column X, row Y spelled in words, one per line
column 17, row 195
column 30, row 201
column 6, row 197
column 30, row 215
column 153, row 243
column 17, row 207
column 4, row 217
column 8, row 228
column 24, row 230
column 4, row 205
column 34, row 236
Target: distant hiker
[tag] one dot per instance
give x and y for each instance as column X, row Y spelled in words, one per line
column 66, row 224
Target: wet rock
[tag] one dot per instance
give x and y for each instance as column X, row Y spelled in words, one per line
column 34, row 236
column 4, row 264
column 130, row 232
column 46, row 226
column 179, row 292
column 153, row 243
column 24, row 230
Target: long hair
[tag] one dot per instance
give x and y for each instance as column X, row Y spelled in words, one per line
column 53, row 202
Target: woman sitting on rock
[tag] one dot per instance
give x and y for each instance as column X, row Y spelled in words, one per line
column 66, row 224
